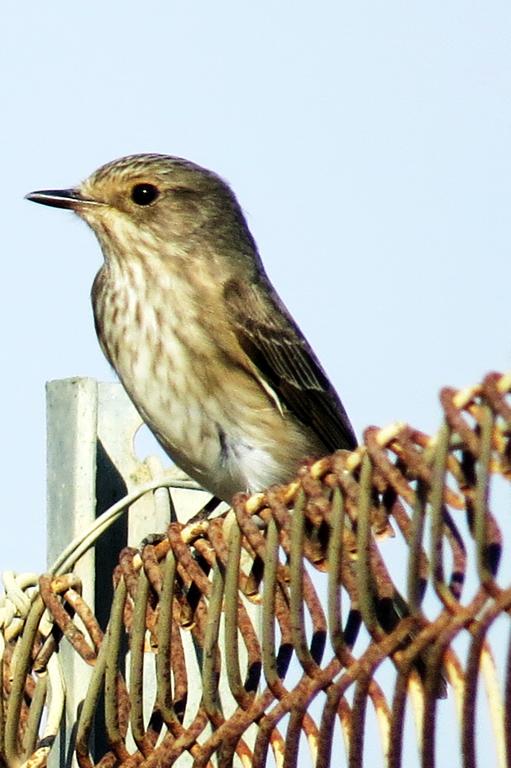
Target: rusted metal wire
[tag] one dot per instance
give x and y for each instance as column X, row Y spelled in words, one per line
column 287, row 632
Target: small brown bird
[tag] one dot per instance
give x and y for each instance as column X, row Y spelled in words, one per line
column 187, row 316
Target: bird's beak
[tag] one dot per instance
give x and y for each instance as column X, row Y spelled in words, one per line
column 62, row 198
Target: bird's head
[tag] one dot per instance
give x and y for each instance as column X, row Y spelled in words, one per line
column 153, row 202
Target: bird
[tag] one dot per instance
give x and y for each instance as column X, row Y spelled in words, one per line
column 188, row 318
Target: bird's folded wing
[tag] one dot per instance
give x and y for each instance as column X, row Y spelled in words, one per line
column 277, row 348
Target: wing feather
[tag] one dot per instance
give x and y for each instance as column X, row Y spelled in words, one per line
column 277, row 348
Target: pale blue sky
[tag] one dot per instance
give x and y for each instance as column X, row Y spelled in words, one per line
column 368, row 142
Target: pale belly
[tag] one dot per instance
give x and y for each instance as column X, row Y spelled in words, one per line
column 229, row 441
column 224, row 455
column 215, row 421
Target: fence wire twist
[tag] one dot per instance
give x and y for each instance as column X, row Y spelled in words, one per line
column 301, row 606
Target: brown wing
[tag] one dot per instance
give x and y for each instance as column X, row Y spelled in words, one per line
column 276, row 346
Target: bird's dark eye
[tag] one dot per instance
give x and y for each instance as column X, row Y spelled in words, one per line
column 144, row 194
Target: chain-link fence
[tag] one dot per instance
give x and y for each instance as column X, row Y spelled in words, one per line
column 318, row 624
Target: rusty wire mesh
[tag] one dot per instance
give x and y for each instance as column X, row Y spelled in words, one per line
column 317, row 636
